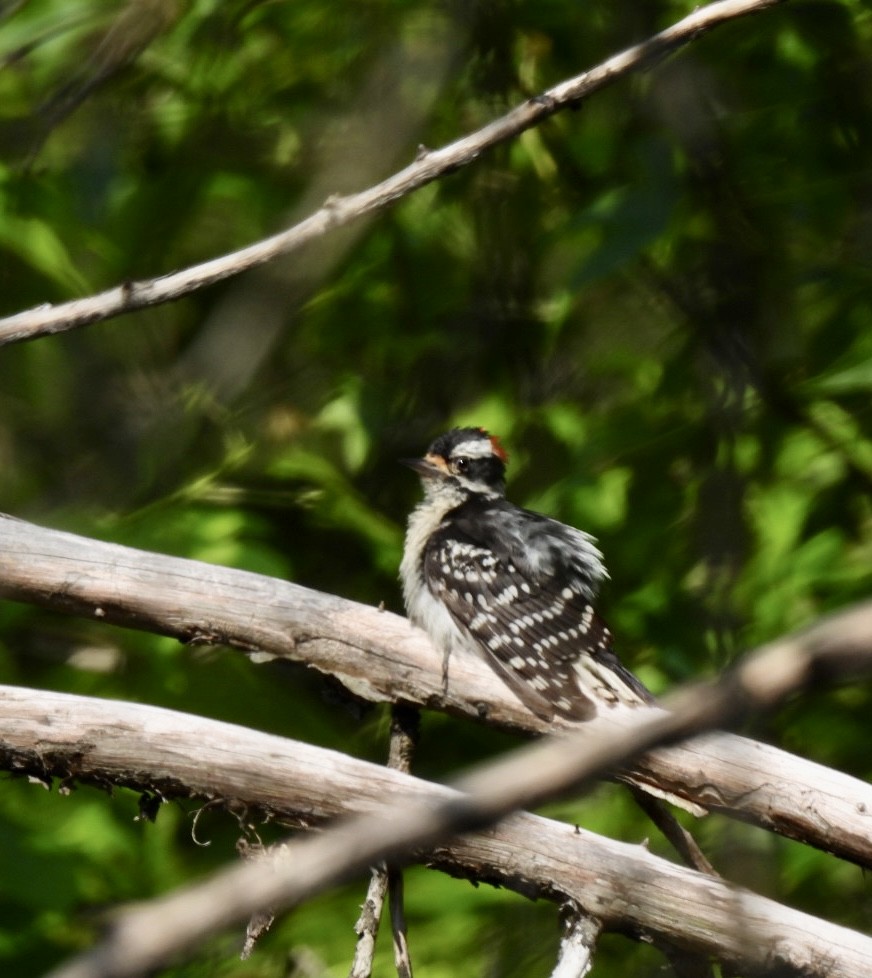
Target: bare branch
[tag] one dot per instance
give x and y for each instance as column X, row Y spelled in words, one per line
column 382, row 658
column 580, row 934
column 405, row 724
column 680, row 838
column 405, row 733
column 340, row 211
column 367, row 925
column 623, row 886
column 402, row 957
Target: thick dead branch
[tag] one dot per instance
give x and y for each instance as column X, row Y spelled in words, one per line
column 340, row 211
column 622, row 885
column 381, row 658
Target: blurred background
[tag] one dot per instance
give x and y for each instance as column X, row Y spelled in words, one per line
column 661, row 301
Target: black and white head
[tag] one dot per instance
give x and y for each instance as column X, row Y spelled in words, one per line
column 463, row 462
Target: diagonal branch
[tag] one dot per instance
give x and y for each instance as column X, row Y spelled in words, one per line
column 340, row 211
column 382, row 658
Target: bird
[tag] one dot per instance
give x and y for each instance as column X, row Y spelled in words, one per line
column 481, row 575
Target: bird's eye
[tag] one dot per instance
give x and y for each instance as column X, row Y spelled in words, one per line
column 461, row 465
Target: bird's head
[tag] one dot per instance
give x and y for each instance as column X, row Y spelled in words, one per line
column 463, row 460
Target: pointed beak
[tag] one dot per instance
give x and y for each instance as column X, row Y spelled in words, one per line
column 429, row 467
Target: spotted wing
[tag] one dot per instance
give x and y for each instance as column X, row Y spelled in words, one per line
column 541, row 636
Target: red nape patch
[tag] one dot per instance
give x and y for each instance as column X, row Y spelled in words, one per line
column 499, row 451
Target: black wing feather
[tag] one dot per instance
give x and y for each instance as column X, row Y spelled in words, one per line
column 527, row 604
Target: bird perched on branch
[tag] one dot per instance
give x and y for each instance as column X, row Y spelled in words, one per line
column 480, row 574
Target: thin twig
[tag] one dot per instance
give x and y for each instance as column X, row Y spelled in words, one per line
column 261, row 920
column 402, row 958
column 405, row 724
column 337, row 211
column 367, row 924
column 580, row 934
column 682, row 841
column 405, row 731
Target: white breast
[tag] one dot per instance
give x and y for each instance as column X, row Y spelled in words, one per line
column 422, row 608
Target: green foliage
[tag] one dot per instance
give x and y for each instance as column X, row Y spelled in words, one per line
column 661, row 302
